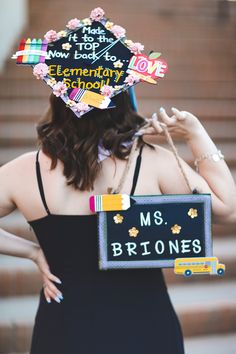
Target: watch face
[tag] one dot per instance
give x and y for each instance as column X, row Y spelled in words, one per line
column 89, row 58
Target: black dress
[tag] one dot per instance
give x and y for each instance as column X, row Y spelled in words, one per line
column 103, row 312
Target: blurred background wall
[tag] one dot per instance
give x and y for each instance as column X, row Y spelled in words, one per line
column 197, row 39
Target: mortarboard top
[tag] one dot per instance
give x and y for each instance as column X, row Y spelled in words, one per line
column 89, row 62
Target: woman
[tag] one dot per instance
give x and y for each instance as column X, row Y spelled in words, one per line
column 81, row 309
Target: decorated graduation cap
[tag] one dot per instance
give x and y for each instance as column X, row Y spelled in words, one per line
column 90, row 62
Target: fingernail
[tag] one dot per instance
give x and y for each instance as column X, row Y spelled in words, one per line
column 174, row 109
column 60, row 296
column 57, row 299
column 139, row 133
column 154, row 116
column 48, row 300
column 58, row 281
column 162, row 110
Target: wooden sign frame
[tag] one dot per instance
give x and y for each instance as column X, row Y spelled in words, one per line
column 198, row 206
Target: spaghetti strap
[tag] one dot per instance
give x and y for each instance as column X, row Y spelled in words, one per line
column 40, row 184
column 136, row 171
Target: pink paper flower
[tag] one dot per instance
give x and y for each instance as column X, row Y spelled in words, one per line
column 131, row 79
column 51, row 36
column 118, row 31
column 136, row 48
column 59, row 89
column 73, row 24
column 81, row 107
column 40, row 70
column 107, row 90
column 97, row 14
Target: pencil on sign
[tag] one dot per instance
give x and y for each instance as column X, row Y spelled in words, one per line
column 109, row 202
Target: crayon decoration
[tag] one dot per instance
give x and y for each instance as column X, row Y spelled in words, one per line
column 25, row 59
column 21, row 48
column 31, row 50
column 109, row 202
column 43, row 46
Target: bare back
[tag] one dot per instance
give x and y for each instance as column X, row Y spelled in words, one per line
column 64, row 199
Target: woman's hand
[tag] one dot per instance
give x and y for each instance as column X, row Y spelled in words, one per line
column 182, row 124
column 50, row 290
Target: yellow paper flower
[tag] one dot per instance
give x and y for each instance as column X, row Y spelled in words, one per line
column 87, row 21
column 71, row 103
column 62, row 34
column 128, row 42
column 51, row 82
column 118, row 64
column 66, row 46
column 109, row 25
column 176, row 229
column 118, row 87
column 192, row 213
column 133, row 232
column 118, row 219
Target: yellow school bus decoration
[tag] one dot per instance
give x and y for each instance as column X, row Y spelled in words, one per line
column 198, row 265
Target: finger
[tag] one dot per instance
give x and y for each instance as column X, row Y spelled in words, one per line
column 180, row 115
column 149, row 131
column 51, row 276
column 50, row 287
column 157, row 126
column 48, row 298
column 165, row 118
column 53, row 288
column 50, row 294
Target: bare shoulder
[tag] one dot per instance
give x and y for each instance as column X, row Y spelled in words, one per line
column 19, row 163
column 160, row 153
column 18, row 169
column 166, row 168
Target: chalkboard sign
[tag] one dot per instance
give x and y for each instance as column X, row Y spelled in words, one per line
column 155, row 231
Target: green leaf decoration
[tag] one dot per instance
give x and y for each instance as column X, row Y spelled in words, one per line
column 154, row 55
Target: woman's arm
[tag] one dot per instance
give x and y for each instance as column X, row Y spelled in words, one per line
column 212, row 177
column 13, row 245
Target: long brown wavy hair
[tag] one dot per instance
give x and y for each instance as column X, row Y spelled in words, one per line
column 75, row 141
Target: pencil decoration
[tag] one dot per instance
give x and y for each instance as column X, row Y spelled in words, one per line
column 109, row 202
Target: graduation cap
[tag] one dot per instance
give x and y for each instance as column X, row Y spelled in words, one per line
column 89, row 62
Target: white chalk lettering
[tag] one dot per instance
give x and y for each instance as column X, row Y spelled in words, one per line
column 145, row 221
column 161, row 249
column 116, row 248
column 73, row 37
column 157, row 217
column 196, row 246
column 131, row 247
column 185, row 246
column 55, row 54
column 144, row 244
column 90, row 30
column 87, row 46
column 174, row 245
